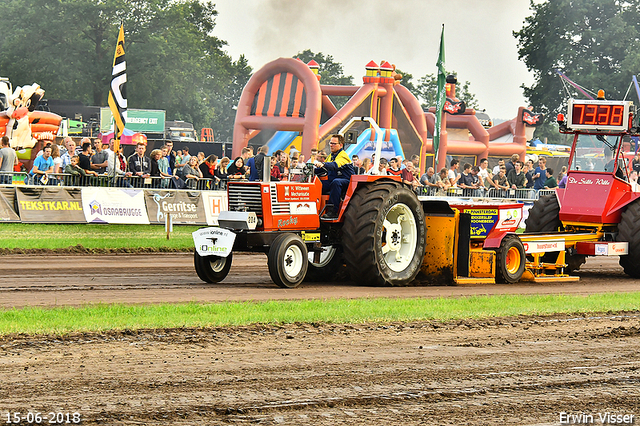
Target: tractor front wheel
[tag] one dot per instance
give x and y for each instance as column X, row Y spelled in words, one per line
column 288, row 260
column 629, row 231
column 212, row 269
column 384, row 235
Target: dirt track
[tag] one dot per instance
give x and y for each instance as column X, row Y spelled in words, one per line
column 35, row 280
column 515, row 371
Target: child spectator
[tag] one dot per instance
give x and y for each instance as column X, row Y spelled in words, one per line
column 78, row 174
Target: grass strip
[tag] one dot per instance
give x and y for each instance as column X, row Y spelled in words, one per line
column 35, row 320
column 93, row 236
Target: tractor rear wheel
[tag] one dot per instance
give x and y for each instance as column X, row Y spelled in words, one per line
column 544, row 216
column 288, row 260
column 384, row 235
column 510, row 260
column 629, row 230
column 212, row 269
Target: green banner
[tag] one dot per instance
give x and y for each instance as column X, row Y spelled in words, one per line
column 138, row 120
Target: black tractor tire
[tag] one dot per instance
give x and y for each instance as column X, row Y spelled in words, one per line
column 544, row 216
column 510, row 260
column 330, row 268
column 288, row 260
column 629, row 230
column 374, row 254
column 212, row 269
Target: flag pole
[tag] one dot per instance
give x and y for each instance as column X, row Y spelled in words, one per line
column 441, row 97
column 118, row 95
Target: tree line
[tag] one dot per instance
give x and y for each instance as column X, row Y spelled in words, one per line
column 596, row 44
column 176, row 63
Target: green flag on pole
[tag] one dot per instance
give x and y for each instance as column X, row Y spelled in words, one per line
column 441, row 97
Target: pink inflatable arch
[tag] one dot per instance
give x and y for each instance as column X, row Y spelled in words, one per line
column 283, row 95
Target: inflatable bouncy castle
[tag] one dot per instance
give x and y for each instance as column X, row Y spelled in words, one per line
column 285, row 106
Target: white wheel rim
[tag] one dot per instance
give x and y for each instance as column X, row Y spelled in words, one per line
column 218, row 264
column 325, row 256
column 293, row 261
column 399, row 238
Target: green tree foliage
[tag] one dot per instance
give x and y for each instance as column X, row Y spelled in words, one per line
column 427, row 88
column 596, row 44
column 174, row 62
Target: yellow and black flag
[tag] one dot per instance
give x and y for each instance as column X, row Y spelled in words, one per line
column 117, row 92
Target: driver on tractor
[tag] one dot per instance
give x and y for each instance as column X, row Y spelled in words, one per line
column 611, row 164
column 339, row 170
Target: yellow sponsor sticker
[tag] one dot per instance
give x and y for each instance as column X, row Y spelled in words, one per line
column 310, row 236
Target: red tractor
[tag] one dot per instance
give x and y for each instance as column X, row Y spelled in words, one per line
column 598, row 213
column 379, row 232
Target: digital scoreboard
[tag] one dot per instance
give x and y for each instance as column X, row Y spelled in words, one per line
column 598, row 115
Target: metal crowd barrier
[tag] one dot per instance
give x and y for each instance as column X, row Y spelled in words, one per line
column 68, row 180
column 120, row 181
column 543, row 192
column 511, row 194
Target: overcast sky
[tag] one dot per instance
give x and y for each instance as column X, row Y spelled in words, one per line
column 479, row 44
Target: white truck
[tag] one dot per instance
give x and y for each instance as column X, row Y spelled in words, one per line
column 179, row 131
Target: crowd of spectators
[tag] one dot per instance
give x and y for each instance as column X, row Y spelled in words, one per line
column 96, row 163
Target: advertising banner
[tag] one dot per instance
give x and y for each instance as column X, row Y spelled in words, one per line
column 185, row 207
column 50, row 204
column 114, row 205
column 7, row 205
column 482, row 220
column 214, row 202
